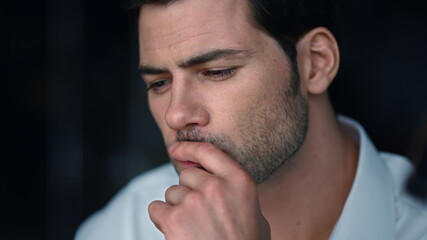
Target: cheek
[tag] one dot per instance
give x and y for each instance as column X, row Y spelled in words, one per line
column 233, row 104
column 258, row 103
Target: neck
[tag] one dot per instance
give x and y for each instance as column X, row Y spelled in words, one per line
column 305, row 197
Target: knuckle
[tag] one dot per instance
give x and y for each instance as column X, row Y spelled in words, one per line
column 153, row 212
column 193, row 199
column 212, row 183
column 151, row 208
column 186, row 173
column 170, row 190
column 214, row 188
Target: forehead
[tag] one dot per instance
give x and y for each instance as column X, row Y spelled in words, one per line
column 188, row 26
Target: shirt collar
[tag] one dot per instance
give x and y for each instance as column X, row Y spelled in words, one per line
column 369, row 209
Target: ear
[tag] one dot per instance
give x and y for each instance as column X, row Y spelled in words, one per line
column 318, row 59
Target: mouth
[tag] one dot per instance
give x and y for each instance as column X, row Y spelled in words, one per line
column 188, row 163
column 184, row 163
column 193, row 135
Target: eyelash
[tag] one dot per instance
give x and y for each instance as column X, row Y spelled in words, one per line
column 219, row 74
column 157, row 84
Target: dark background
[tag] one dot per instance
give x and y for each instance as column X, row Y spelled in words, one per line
column 76, row 126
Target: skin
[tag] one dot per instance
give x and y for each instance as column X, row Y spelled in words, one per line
column 208, row 101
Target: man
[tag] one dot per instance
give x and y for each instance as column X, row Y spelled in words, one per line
column 239, row 91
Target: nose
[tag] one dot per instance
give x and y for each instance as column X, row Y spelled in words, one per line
column 186, row 109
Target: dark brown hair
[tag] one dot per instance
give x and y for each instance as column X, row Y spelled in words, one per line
column 284, row 20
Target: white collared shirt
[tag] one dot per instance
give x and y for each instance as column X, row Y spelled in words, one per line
column 378, row 206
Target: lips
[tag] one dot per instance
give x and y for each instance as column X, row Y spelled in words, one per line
column 179, row 162
column 188, row 163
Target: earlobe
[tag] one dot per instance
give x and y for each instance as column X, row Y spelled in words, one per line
column 318, row 57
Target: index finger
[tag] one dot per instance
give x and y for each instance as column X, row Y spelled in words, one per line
column 213, row 159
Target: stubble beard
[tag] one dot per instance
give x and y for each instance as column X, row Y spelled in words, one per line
column 271, row 133
column 275, row 133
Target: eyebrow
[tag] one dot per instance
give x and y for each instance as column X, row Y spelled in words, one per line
column 150, row 70
column 210, row 56
column 192, row 61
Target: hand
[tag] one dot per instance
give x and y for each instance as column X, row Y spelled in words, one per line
column 219, row 202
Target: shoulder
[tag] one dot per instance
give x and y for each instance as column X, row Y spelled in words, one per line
column 410, row 213
column 126, row 216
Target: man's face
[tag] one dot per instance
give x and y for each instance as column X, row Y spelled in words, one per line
column 213, row 77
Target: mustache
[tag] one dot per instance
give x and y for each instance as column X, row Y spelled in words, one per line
column 223, row 142
column 195, row 135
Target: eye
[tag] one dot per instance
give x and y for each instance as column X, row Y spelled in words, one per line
column 219, row 74
column 159, row 86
